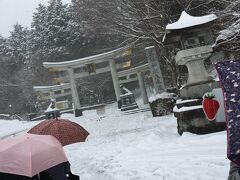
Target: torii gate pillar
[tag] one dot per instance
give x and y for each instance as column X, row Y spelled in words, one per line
column 142, row 88
column 75, row 97
column 115, row 78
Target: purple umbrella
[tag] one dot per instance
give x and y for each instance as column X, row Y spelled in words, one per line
column 229, row 75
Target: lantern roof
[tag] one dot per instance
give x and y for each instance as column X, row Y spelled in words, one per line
column 186, row 21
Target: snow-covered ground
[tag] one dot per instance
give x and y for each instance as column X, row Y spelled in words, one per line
column 140, row 147
column 11, row 127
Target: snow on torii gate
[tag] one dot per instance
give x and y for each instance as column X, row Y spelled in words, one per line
column 54, row 92
column 91, row 61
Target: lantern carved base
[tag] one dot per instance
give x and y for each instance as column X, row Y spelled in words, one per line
column 191, row 118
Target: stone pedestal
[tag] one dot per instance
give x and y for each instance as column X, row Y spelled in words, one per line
column 199, row 81
column 197, row 72
column 197, row 90
column 54, row 114
column 78, row 112
column 191, row 118
column 128, row 102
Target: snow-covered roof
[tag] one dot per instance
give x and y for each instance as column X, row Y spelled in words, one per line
column 186, row 20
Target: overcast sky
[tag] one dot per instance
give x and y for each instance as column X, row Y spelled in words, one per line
column 12, row 11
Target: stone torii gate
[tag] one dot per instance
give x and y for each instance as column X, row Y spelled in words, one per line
column 96, row 64
column 54, row 92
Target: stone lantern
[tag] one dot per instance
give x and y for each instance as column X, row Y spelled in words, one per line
column 194, row 38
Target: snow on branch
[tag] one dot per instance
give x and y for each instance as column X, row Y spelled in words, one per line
column 229, row 34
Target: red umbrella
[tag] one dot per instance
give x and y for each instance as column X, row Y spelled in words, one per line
column 67, row 132
column 29, row 154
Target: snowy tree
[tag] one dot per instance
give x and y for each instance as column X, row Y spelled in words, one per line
column 78, row 41
column 16, row 79
column 2, row 45
column 55, row 33
column 49, row 29
column 17, row 44
column 228, row 38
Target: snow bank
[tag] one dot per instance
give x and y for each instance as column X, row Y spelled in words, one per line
column 164, row 95
column 182, row 109
column 180, row 101
column 8, row 127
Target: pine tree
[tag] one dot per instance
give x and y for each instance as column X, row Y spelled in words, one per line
column 50, row 30
column 17, row 44
column 2, row 45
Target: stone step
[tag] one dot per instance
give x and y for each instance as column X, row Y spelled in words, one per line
column 135, row 111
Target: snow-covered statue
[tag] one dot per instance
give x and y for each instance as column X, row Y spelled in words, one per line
column 52, row 111
column 127, row 99
column 124, row 90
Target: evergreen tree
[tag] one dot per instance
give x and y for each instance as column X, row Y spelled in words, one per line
column 55, row 33
column 17, row 44
column 2, row 45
